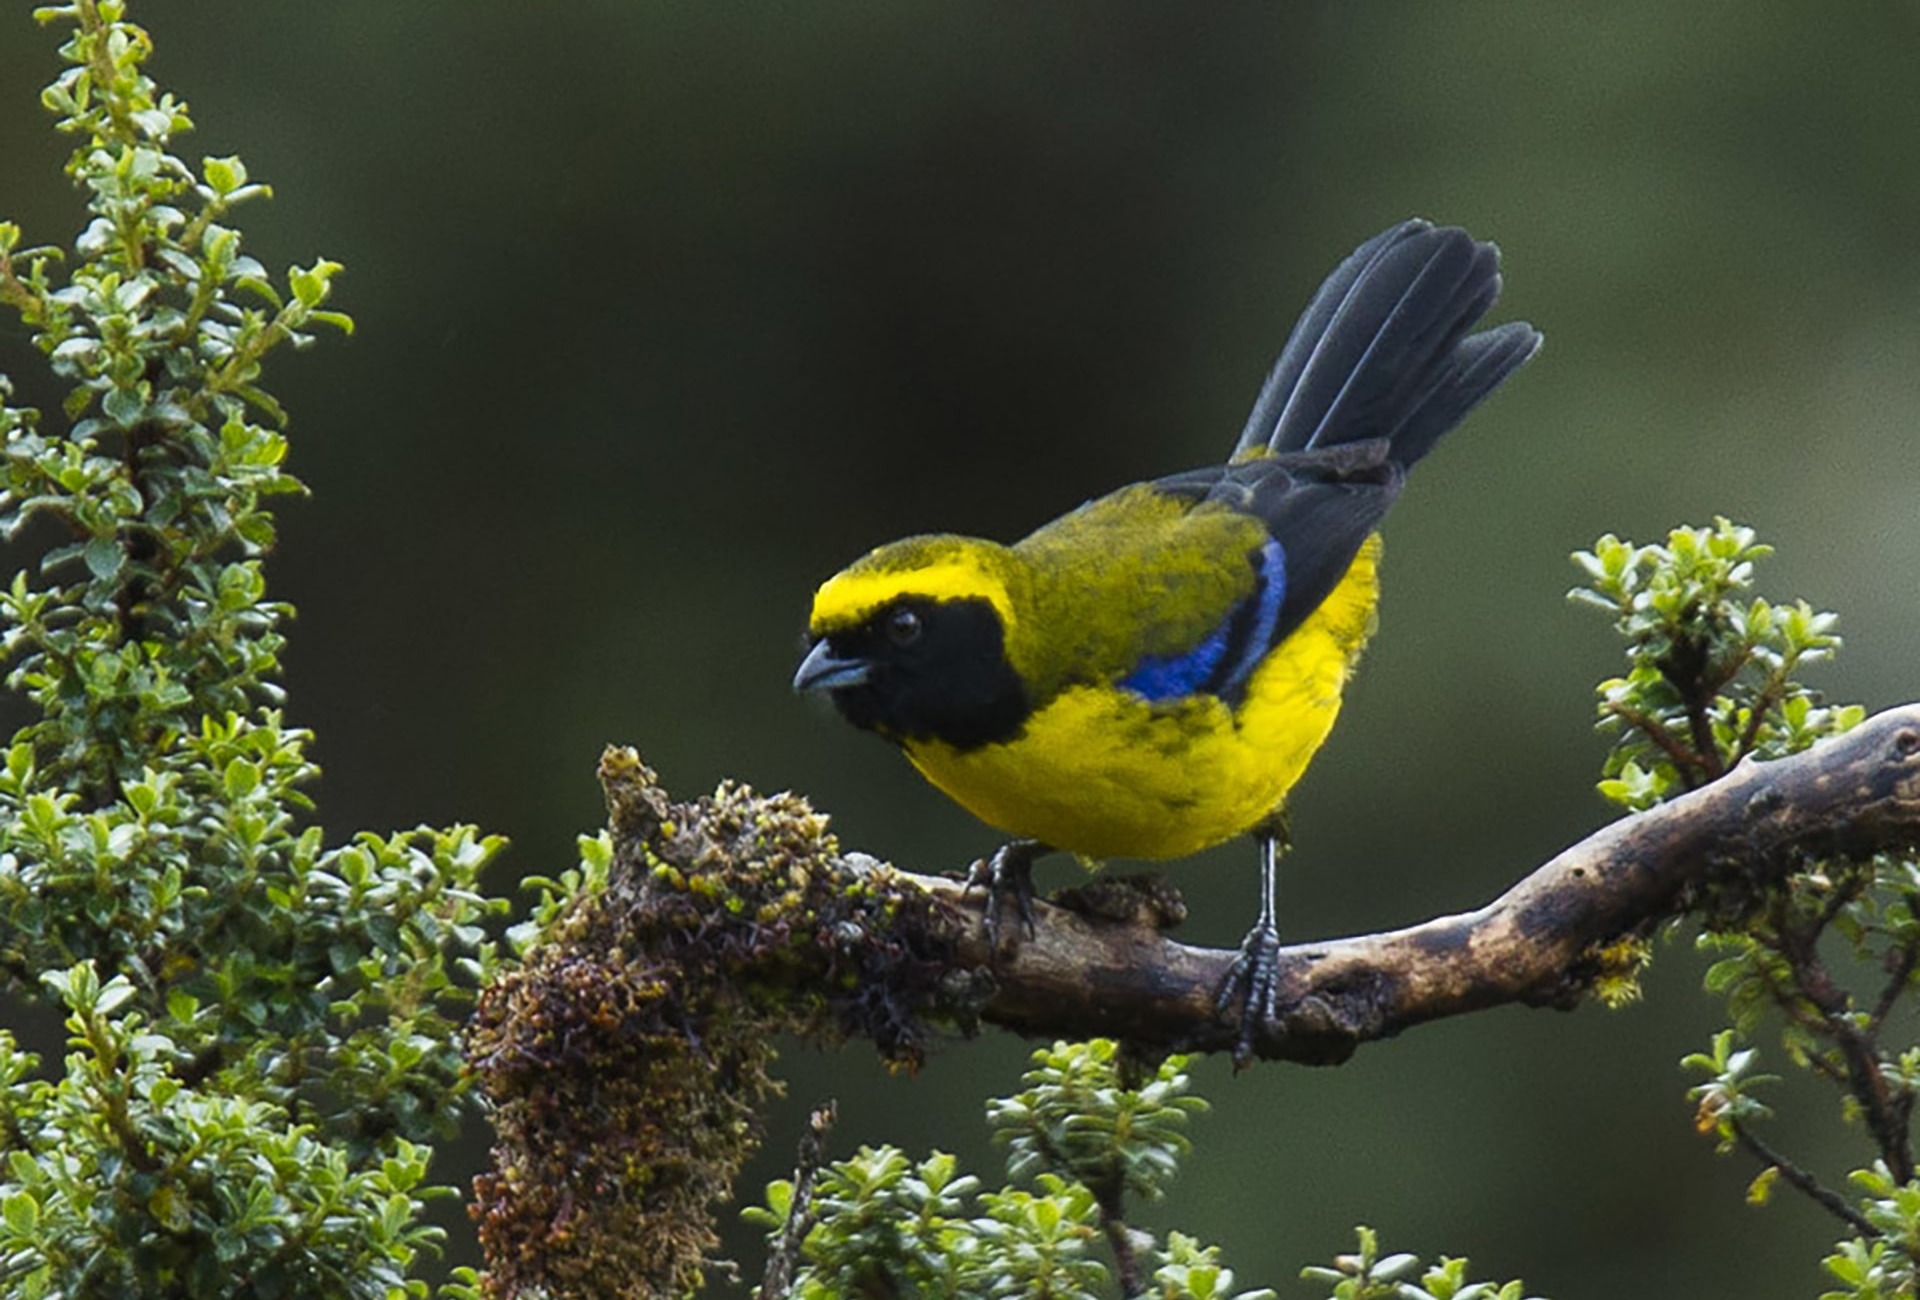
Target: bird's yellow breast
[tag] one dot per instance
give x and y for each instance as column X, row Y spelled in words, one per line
column 1101, row 772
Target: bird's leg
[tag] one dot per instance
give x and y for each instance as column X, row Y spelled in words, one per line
column 1254, row 978
column 1009, row 872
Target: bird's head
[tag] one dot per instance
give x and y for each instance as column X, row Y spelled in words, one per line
column 910, row 641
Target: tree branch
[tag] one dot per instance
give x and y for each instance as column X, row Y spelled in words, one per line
column 1082, row 975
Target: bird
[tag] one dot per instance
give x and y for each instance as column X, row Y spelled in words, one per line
column 1150, row 674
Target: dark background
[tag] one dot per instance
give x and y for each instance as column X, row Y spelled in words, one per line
column 668, row 310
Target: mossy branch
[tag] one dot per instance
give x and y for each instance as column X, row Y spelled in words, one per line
column 723, row 921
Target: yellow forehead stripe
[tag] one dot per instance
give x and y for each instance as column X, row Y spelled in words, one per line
column 848, row 597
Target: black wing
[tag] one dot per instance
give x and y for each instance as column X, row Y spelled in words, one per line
column 1319, row 507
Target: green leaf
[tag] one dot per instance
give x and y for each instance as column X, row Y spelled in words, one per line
column 311, row 286
column 124, row 406
column 224, row 175
column 104, row 557
column 22, row 1214
column 240, row 779
column 116, row 993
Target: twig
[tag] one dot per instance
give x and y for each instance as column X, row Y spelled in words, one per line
column 783, row 1261
column 1898, row 973
column 1829, row 1199
column 1126, row 1259
column 1866, row 1081
column 1690, row 764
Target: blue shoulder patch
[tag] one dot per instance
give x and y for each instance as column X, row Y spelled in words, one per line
column 1225, row 659
column 1163, row 677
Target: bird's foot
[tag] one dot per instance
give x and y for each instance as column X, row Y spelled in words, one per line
column 1008, row 874
column 1251, row 985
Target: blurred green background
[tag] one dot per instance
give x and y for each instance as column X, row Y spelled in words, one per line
column 668, row 310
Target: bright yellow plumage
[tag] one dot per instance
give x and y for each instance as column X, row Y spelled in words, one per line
column 1104, row 774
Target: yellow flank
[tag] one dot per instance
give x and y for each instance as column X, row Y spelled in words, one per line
column 855, row 592
column 1100, row 772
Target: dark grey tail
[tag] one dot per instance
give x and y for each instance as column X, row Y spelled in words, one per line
column 1382, row 351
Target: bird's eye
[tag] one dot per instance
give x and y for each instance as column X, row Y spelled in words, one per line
column 904, row 627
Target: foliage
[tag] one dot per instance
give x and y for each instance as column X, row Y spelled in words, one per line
column 1081, row 1137
column 261, row 1027
column 1078, row 1115
column 1711, row 683
column 1365, row 1275
column 1709, row 673
column 1090, row 1128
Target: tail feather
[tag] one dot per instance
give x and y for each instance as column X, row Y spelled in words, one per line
column 1382, row 350
column 1303, row 344
column 1480, row 363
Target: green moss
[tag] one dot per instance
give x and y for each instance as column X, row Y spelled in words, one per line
column 628, row 1054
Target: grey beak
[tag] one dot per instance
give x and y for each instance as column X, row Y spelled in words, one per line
column 823, row 670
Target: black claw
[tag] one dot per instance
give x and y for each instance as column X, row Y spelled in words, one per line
column 1251, row 987
column 1008, row 873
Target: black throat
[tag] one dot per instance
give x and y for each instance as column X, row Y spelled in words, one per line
column 951, row 683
